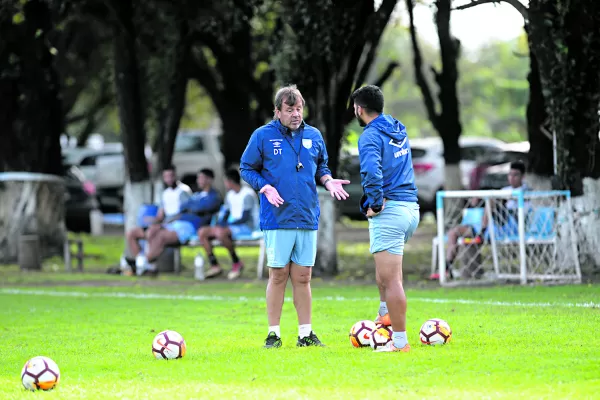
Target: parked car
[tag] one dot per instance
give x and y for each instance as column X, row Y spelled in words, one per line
column 496, row 176
column 105, row 168
column 195, row 150
column 80, row 200
column 429, row 166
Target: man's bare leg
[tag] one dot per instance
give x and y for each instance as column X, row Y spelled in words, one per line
column 389, row 267
column 206, row 234
column 278, row 278
column 133, row 237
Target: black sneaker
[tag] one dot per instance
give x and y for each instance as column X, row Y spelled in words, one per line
column 310, row 340
column 272, row 341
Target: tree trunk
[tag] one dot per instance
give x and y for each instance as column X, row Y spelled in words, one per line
column 238, row 124
column 449, row 126
column 127, row 89
column 32, row 121
column 32, row 204
column 541, row 155
column 176, row 100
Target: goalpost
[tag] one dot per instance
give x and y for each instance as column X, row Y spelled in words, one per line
column 530, row 236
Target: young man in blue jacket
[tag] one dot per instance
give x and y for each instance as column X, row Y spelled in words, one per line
column 193, row 214
column 389, row 202
column 281, row 161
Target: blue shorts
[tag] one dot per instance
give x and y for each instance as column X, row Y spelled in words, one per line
column 241, row 230
column 392, row 228
column 296, row 245
column 184, row 230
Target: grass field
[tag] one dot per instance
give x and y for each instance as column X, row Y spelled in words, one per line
column 508, row 342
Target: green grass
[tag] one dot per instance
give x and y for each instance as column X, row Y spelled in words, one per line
column 525, row 349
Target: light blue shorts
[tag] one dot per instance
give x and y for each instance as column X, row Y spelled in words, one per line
column 296, row 245
column 240, row 230
column 184, row 230
column 391, row 229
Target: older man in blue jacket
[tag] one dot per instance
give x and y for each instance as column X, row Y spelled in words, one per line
column 281, row 161
column 390, row 203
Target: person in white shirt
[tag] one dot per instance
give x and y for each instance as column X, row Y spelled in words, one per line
column 175, row 194
column 238, row 218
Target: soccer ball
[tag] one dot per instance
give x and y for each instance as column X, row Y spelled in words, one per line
column 168, row 345
column 360, row 333
column 40, row 373
column 380, row 336
column 435, row 331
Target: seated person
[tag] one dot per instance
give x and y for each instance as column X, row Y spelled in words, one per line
column 177, row 230
column 175, row 194
column 237, row 219
column 515, row 180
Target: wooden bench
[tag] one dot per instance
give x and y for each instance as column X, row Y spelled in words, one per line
column 254, row 240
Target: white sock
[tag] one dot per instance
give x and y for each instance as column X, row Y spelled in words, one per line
column 399, row 339
column 383, row 308
column 140, row 260
column 304, row 330
column 275, row 329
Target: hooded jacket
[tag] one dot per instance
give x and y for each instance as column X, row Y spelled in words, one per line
column 271, row 157
column 386, row 167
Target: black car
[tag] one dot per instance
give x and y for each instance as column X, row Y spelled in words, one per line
column 80, row 200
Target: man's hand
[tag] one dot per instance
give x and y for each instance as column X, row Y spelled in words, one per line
column 272, row 195
column 371, row 213
column 335, row 187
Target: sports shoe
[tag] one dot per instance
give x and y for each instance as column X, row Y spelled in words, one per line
column 389, row 347
column 214, row 271
column 383, row 320
column 272, row 341
column 236, row 270
column 310, row 340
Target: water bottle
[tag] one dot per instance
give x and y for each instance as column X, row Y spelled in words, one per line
column 199, row 267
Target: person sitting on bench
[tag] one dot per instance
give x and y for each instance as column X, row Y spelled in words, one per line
column 237, row 219
column 194, row 214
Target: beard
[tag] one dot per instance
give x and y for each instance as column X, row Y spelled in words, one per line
column 360, row 121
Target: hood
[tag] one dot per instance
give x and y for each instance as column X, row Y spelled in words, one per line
column 389, row 126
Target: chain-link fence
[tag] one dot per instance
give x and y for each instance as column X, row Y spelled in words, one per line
column 505, row 235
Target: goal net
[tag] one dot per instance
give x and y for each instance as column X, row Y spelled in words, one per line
column 488, row 236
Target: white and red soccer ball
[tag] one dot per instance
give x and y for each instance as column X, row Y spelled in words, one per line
column 381, row 336
column 40, row 373
column 168, row 345
column 435, row 331
column 360, row 333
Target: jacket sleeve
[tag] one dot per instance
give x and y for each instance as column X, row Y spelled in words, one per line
column 252, row 163
column 204, row 205
column 370, row 170
column 322, row 167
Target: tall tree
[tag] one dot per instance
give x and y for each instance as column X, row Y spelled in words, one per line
column 31, row 121
column 564, row 38
column 445, row 117
column 231, row 60
column 327, row 49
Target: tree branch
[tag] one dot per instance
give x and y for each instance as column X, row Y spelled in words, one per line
column 349, row 114
column 389, row 70
column 520, row 7
column 207, row 77
column 418, row 64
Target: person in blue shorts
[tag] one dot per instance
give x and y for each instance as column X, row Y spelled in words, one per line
column 237, row 219
column 193, row 214
column 389, row 202
column 281, row 161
